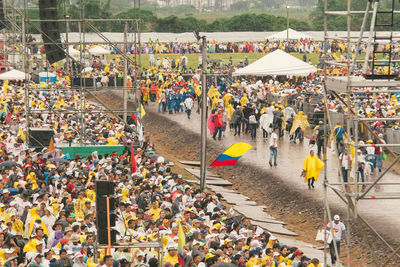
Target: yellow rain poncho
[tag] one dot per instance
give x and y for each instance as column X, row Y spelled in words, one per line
column 244, row 100
column 35, row 216
column 299, row 120
column 312, row 167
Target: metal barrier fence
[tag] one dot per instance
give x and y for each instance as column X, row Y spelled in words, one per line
column 392, row 136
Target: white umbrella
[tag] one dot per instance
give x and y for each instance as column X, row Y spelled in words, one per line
column 73, row 52
column 87, row 69
column 13, row 75
column 98, row 50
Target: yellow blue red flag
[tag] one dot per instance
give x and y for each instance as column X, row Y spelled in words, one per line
column 231, row 155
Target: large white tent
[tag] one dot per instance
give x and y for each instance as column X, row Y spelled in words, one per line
column 13, row 75
column 98, row 50
column 277, row 63
column 293, row 35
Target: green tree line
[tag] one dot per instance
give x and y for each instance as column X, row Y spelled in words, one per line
column 151, row 22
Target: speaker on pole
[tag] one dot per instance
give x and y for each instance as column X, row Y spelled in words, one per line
column 2, row 17
column 50, row 30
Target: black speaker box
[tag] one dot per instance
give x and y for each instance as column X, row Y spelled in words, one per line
column 50, row 30
column 40, row 137
column 105, row 188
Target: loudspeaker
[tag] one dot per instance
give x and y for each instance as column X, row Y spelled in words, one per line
column 50, row 30
column 102, row 236
column 105, row 188
column 2, row 17
column 40, row 137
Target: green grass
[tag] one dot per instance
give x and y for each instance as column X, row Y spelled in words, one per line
column 236, row 58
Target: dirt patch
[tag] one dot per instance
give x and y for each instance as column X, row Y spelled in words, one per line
column 302, row 215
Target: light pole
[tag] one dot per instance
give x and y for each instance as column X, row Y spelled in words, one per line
column 203, row 110
column 287, row 23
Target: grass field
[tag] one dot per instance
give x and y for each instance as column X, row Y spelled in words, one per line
column 236, row 58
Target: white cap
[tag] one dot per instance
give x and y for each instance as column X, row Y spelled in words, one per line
column 336, row 217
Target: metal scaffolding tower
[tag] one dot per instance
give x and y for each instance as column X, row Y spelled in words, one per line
column 374, row 77
column 18, row 22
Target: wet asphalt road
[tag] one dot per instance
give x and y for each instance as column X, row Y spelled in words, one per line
column 382, row 214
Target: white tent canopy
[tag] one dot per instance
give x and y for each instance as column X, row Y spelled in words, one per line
column 98, row 50
column 13, row 75
column 293, row 35
column 277, row 63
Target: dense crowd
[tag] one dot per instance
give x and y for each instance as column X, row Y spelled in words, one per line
column 47, row 198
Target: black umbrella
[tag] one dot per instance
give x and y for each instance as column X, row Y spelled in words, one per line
column 60, row 160
column 8, row 163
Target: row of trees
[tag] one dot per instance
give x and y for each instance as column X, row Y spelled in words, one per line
column 97, row 9
column 151, row 22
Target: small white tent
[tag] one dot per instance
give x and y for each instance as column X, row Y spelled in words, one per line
column 13, row 75
column 98, row 50
column 277, row 63
column 293, row 35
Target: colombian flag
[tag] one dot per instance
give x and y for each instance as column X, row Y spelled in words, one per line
column 231, row 155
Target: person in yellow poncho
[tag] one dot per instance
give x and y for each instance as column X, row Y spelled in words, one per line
column 311, row 168
column 244, row 100
column 155, row 210
column 314, row 263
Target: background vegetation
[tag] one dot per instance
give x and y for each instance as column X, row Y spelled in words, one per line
column 254, row 15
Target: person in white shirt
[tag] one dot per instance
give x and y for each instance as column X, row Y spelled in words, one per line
column 187, row 198
column 339, row 231
column 360, row 165
column 273, row 147
column 188, row 105
column 212, row 204
column 345, row 164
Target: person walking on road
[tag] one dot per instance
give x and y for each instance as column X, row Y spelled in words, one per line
column 273, row 147
column 237, row 118
column 188, row 105
column 217, row 120
column 311, row 168
column 319, row 136
column 339, row 132
column 339, row 231
column 253, row 124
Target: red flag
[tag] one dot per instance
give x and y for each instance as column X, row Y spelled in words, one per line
column 51, row 146
column 133, row 160
column 134, row 118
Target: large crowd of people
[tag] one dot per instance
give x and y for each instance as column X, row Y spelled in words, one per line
column 47, row 200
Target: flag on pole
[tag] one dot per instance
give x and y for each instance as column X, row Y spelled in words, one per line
column 133, row 160
column 51, row 145
column 181, row 244
column 231, row 155
column 142, row 110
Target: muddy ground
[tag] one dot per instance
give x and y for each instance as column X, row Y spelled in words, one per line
column 287, row 204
